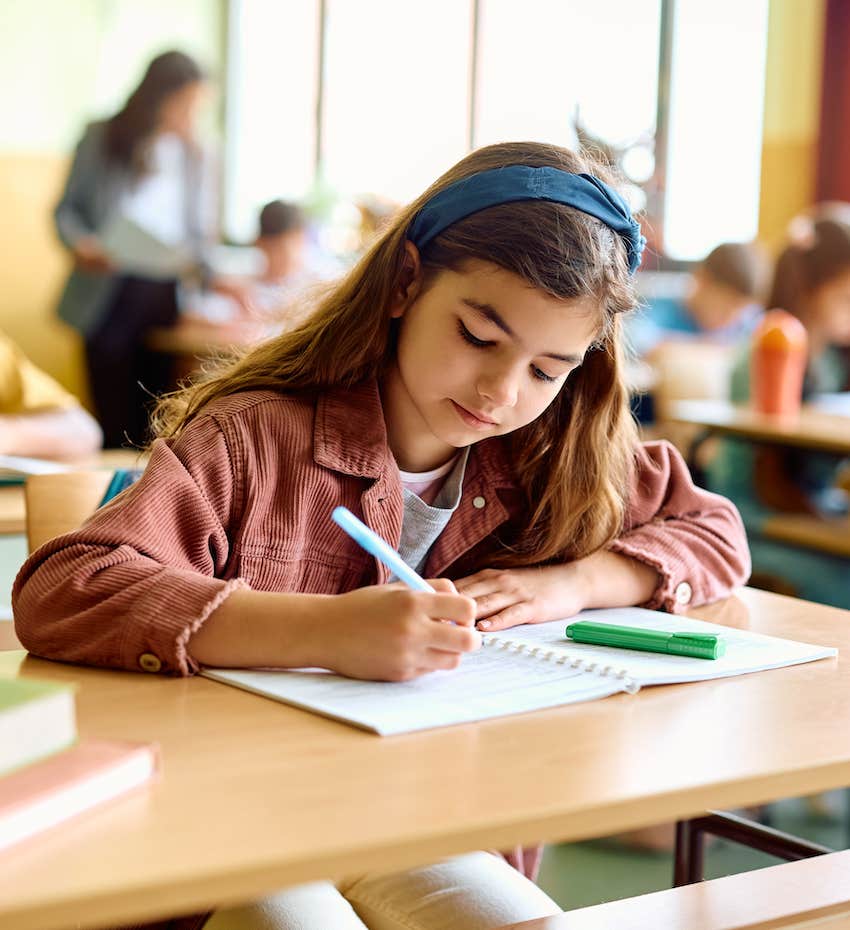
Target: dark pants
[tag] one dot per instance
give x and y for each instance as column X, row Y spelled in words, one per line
column 126, row 377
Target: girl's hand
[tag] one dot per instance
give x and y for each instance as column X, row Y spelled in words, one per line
column 239, row 291
column 554, row 592
column 391, row 633
column 506, row 598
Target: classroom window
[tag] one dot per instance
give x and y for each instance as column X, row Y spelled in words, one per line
column 340, row 98
column 716, row 111
column 558, row 60
column 395, row 104
column 270, row 129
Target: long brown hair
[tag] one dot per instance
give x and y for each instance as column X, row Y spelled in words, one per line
column 574, row 462
column 129, row 131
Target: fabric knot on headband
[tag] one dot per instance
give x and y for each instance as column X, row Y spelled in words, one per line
column 513, row 183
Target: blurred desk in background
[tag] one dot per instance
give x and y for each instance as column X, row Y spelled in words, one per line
column 826, row 534
column 13, row 509
column 191, row 342
column 812, row 428
column 200, row 339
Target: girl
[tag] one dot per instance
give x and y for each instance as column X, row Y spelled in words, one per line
column 143, row 165
column 812, row 281
column 462, row 390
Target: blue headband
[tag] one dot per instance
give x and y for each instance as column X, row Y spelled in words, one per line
column 584, row 192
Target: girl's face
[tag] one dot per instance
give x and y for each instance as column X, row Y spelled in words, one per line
column 480, row 353
column 178, row 112
column 829, row 310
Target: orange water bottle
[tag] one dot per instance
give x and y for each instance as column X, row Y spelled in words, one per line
column 778, row 363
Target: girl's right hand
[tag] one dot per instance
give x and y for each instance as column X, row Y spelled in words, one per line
column 391, row 633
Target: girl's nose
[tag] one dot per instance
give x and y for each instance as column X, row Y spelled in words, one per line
column 500, row 387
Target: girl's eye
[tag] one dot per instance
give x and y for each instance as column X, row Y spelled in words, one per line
column 472, row 340
column 541, row 375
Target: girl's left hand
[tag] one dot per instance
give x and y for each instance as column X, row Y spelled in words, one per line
column 509, row 597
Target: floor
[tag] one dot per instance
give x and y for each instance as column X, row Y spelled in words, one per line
column 581, row 874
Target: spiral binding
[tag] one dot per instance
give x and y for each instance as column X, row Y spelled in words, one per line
column 561, row 657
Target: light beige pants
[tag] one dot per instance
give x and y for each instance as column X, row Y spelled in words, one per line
column 478, row 891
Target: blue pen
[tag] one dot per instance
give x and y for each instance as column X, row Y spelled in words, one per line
column 373, row 543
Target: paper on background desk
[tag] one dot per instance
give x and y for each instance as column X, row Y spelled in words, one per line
column 838, row 404
column 14, row 469
column 497, row 681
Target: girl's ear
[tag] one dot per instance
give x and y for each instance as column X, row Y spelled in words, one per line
column 409, row 281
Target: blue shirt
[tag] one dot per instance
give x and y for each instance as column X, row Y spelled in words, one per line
column 667, row 317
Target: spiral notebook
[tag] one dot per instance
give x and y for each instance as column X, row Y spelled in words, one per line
column 519, row 670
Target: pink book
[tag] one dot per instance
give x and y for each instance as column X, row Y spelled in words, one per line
column 90, row 773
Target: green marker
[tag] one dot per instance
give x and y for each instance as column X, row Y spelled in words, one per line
column 693, row 645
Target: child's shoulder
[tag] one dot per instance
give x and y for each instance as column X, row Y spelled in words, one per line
column 266, row 410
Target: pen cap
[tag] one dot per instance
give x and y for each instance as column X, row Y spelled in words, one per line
column 697, row 645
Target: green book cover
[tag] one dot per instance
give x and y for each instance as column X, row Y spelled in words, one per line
column 37, row 719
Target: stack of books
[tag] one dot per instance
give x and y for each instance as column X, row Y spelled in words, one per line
column 48, row 775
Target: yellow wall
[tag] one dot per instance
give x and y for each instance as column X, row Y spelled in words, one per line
column 34, row 265
column 792, row 113
column 55, row 80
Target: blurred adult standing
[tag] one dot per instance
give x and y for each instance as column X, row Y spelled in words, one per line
column 142, row 169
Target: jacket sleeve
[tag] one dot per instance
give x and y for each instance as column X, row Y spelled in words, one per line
column 694, row 539
column 128, row 589
column 73, row 212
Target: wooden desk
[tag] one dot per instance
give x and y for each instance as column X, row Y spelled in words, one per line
column 13, row 508
column 803, row 895
column 812, row 429
column 192, row 342
column 256, row 795
column 800, row 529
column 199, row 339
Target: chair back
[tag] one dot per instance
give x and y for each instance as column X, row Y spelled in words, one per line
column 59, row 503
column 688, row 371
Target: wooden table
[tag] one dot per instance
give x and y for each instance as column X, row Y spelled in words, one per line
column 13, row 508
column 190, row 342
column 199, row 339
column 256, row 795
column 810, row 429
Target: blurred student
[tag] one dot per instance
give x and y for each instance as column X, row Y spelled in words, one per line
column 282, row 240
column 38, row 417
column 276, row 291
column 722, row 305
column 140, row 174
column 812, row 281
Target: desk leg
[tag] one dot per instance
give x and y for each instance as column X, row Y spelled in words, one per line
column 688, row 862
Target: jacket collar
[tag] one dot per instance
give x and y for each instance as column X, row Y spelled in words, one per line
column 349, row 434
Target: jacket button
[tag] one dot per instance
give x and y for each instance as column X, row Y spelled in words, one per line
column 683, row 593
column 478, row 502
column 148, row 662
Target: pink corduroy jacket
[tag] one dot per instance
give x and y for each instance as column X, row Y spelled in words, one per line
column 243, row 498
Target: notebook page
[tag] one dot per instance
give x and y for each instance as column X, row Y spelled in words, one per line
column 745, row 651
column 491, row 682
